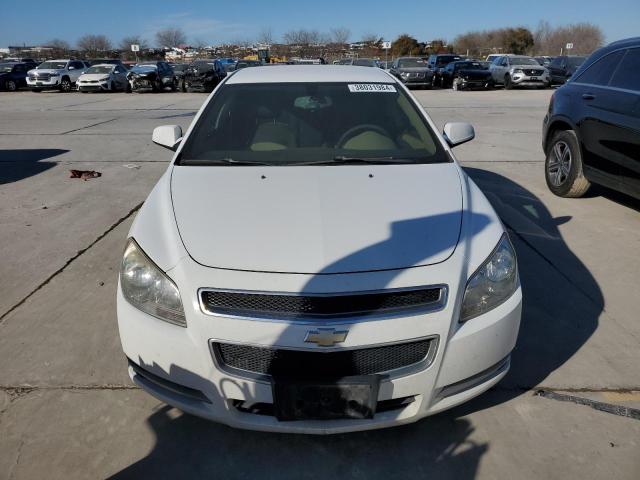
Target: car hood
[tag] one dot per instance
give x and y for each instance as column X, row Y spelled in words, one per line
column 151, row 74
column 529, row 67
column 475, row 73
column 93, row 76
column 325, row 219
column 38, row 71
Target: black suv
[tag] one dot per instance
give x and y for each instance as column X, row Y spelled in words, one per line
column 203, row 75
column 591, row 132
column 563, row 67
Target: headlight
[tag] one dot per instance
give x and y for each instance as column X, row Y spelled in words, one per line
column 493, row 283
column 518, row 70
column 54, row 75
column 404, row 74
column 146, row 287
column 102, row 79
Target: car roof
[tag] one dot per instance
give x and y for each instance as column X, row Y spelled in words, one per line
column 111, row 65
column 310, row 74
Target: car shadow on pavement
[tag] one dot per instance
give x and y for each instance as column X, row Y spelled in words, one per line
column 20, row 164
column 440, row 446
column 562, row 301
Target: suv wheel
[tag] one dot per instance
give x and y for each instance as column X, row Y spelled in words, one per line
column 563, row 166
column 508, row 84
column 11, row 85
column 65, row 84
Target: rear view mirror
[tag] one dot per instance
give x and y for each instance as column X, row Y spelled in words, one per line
column 167, row 136
column 457, row 133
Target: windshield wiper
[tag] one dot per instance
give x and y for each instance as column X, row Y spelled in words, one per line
column 369, row 160
column 218, row 161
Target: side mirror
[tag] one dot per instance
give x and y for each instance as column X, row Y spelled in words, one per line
column 168, row 136
column 457, row 133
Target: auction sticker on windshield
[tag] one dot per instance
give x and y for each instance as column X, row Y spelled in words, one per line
column 371, row 87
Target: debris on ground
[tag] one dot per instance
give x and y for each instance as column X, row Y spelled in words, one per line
column 84, row 174
column 132, row 166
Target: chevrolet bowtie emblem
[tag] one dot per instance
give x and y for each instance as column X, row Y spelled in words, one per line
column 326, row 337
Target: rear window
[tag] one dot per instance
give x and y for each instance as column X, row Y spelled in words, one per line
column 627, row 75
column 301, row 123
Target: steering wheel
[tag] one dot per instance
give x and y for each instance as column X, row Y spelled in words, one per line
column 365, row 127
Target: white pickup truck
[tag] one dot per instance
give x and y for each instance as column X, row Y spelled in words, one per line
column 56, row 74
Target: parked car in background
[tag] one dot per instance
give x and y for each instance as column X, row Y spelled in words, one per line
column 465, row 74
column 442, row 60
column 13, row 75
column 178, row 71
column 359, row 279
column 104, row 78
column 56, row 74
column 151, row 77
column 203, row 76
column 412, row 71
column 563, row 67
column 20, row 60
column 491, row 57
column 519, row 71
column 544, row 60
column 240, row 64
column 591, row 133
column 361, row 62
column 105, row 61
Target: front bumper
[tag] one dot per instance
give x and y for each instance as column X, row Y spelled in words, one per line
column 53, row 82
column 176, row 364
column 93, row 87
column 530, row 81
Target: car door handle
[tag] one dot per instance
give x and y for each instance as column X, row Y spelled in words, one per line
column 588, row 96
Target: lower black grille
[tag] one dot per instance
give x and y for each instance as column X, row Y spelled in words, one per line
column 310, row 365
column 241, row 303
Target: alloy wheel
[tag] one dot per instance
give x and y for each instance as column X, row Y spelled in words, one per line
column 559, row 164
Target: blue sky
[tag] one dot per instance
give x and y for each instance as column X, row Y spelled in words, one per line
column 215, row 21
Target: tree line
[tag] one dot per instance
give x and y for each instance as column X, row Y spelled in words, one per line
column 544, row 40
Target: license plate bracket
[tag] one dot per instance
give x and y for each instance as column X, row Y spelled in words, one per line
column 353, row 397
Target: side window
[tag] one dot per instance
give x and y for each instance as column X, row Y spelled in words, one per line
column 77, row 65
column 600, row 72
column 627, row 75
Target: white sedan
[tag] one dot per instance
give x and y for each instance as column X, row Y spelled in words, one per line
column 103, row 78
column 315, row 260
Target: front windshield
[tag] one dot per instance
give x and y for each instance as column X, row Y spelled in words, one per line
column 179, row 67
column 306, row 123
column 412, row 63
column 52, row 65
column 100, row 69
column 144, row 68
column 524, row 61
column 5, row 68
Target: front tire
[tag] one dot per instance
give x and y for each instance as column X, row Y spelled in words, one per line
column 563, row 166
column 65, row 85
column 508, row 84
column 11, row 86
